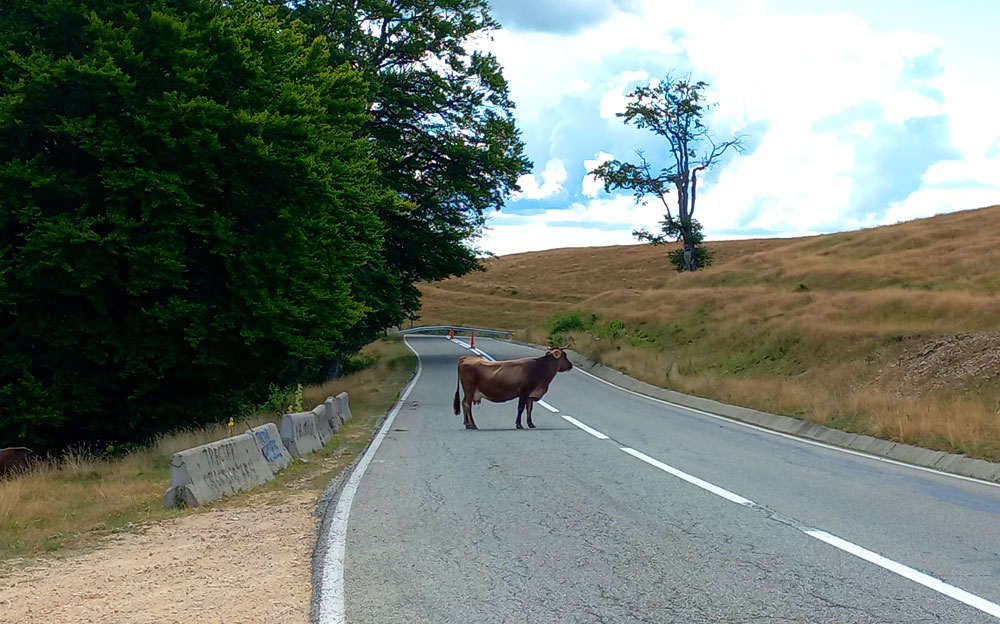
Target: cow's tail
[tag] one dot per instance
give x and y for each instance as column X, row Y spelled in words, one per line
column 459, row 385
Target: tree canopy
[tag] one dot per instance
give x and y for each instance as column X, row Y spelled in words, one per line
column 441, row 118
column 189, row 202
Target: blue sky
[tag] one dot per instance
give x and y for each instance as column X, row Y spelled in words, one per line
column 858, row 113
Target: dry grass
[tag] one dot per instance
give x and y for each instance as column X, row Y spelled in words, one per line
column 809, row 327
column 81, row 498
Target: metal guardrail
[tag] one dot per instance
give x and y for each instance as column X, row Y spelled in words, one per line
column 427, row 329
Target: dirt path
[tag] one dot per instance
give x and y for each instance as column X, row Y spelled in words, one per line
column 239, row 564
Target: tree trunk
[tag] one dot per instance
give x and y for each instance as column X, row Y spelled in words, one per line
column 687, row 234
column 332, row 368
column 689, row 258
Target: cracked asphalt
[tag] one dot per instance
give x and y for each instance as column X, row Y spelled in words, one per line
column 554, row 525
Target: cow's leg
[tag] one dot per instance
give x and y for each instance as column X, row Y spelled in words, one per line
column 468, row 394
column 469, row 422
column 467, row 410
column 520, row 408
column 530, row 403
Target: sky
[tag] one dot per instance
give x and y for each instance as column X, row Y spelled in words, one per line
column 857, row 113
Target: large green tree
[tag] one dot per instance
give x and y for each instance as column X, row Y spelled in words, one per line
column 441, row 119
column 675, row 109
column 187, row 201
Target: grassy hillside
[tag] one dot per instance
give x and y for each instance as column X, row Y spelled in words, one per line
column 890, row 331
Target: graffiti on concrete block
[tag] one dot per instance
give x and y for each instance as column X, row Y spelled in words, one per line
column 272, row 452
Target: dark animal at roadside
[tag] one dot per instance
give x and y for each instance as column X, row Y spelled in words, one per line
column 17, row 460
column 526, row 379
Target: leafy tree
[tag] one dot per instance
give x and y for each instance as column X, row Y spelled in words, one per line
column 674, row 109
column 442, row 121
column 187, row 200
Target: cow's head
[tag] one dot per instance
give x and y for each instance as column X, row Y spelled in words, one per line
column 562, row 362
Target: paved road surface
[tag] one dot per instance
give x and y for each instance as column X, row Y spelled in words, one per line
column 674, row 516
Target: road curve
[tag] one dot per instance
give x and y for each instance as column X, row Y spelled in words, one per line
column 620, row 508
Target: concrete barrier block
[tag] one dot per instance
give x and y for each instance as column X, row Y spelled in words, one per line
column 333, row 413
column 210, row 471
column 345, row 407
column 300, row 433
column 271, row 446
column 323, row 426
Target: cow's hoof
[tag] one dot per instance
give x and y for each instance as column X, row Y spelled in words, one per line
column 518, row 425
column 471, row 427
column 531, row 425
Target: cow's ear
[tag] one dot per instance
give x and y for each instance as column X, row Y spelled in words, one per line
column 556, row 353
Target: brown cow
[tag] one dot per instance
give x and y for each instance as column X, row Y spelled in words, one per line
column 526, row 379
column 17, row 460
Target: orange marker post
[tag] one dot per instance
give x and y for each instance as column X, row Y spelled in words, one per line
column 451, row 333
column 473, row 343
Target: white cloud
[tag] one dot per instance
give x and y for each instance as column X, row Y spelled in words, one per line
column 592, row 186
column 791, row 71
column 605, row 221
column 614, row 99
column 927, row 203
column 981, row 171
column 552, row 182
column 510, row 239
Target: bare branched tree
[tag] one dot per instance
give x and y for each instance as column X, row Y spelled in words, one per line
column 673, row 109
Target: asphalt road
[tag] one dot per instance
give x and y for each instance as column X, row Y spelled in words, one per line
column 674, row 516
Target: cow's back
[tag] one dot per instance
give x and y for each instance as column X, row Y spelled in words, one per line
column 497, row 381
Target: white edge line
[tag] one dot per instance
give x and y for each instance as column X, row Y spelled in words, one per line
column 680, row 474
column 907, row 572
column 331, row 592
column 547, row 406
column 594, row 432
column 792, row 437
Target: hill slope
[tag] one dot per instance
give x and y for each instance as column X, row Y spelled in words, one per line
column 890, row 331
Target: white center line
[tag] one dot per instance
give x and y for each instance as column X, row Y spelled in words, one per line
column 858, row 551
column 484, row 354
column 906, row 571
column 680, row 474
column 594, row 432
column 547, row 406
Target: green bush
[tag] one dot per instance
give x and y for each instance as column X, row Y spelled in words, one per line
column 561, row 324
column 702, row 257
column 614, row 328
